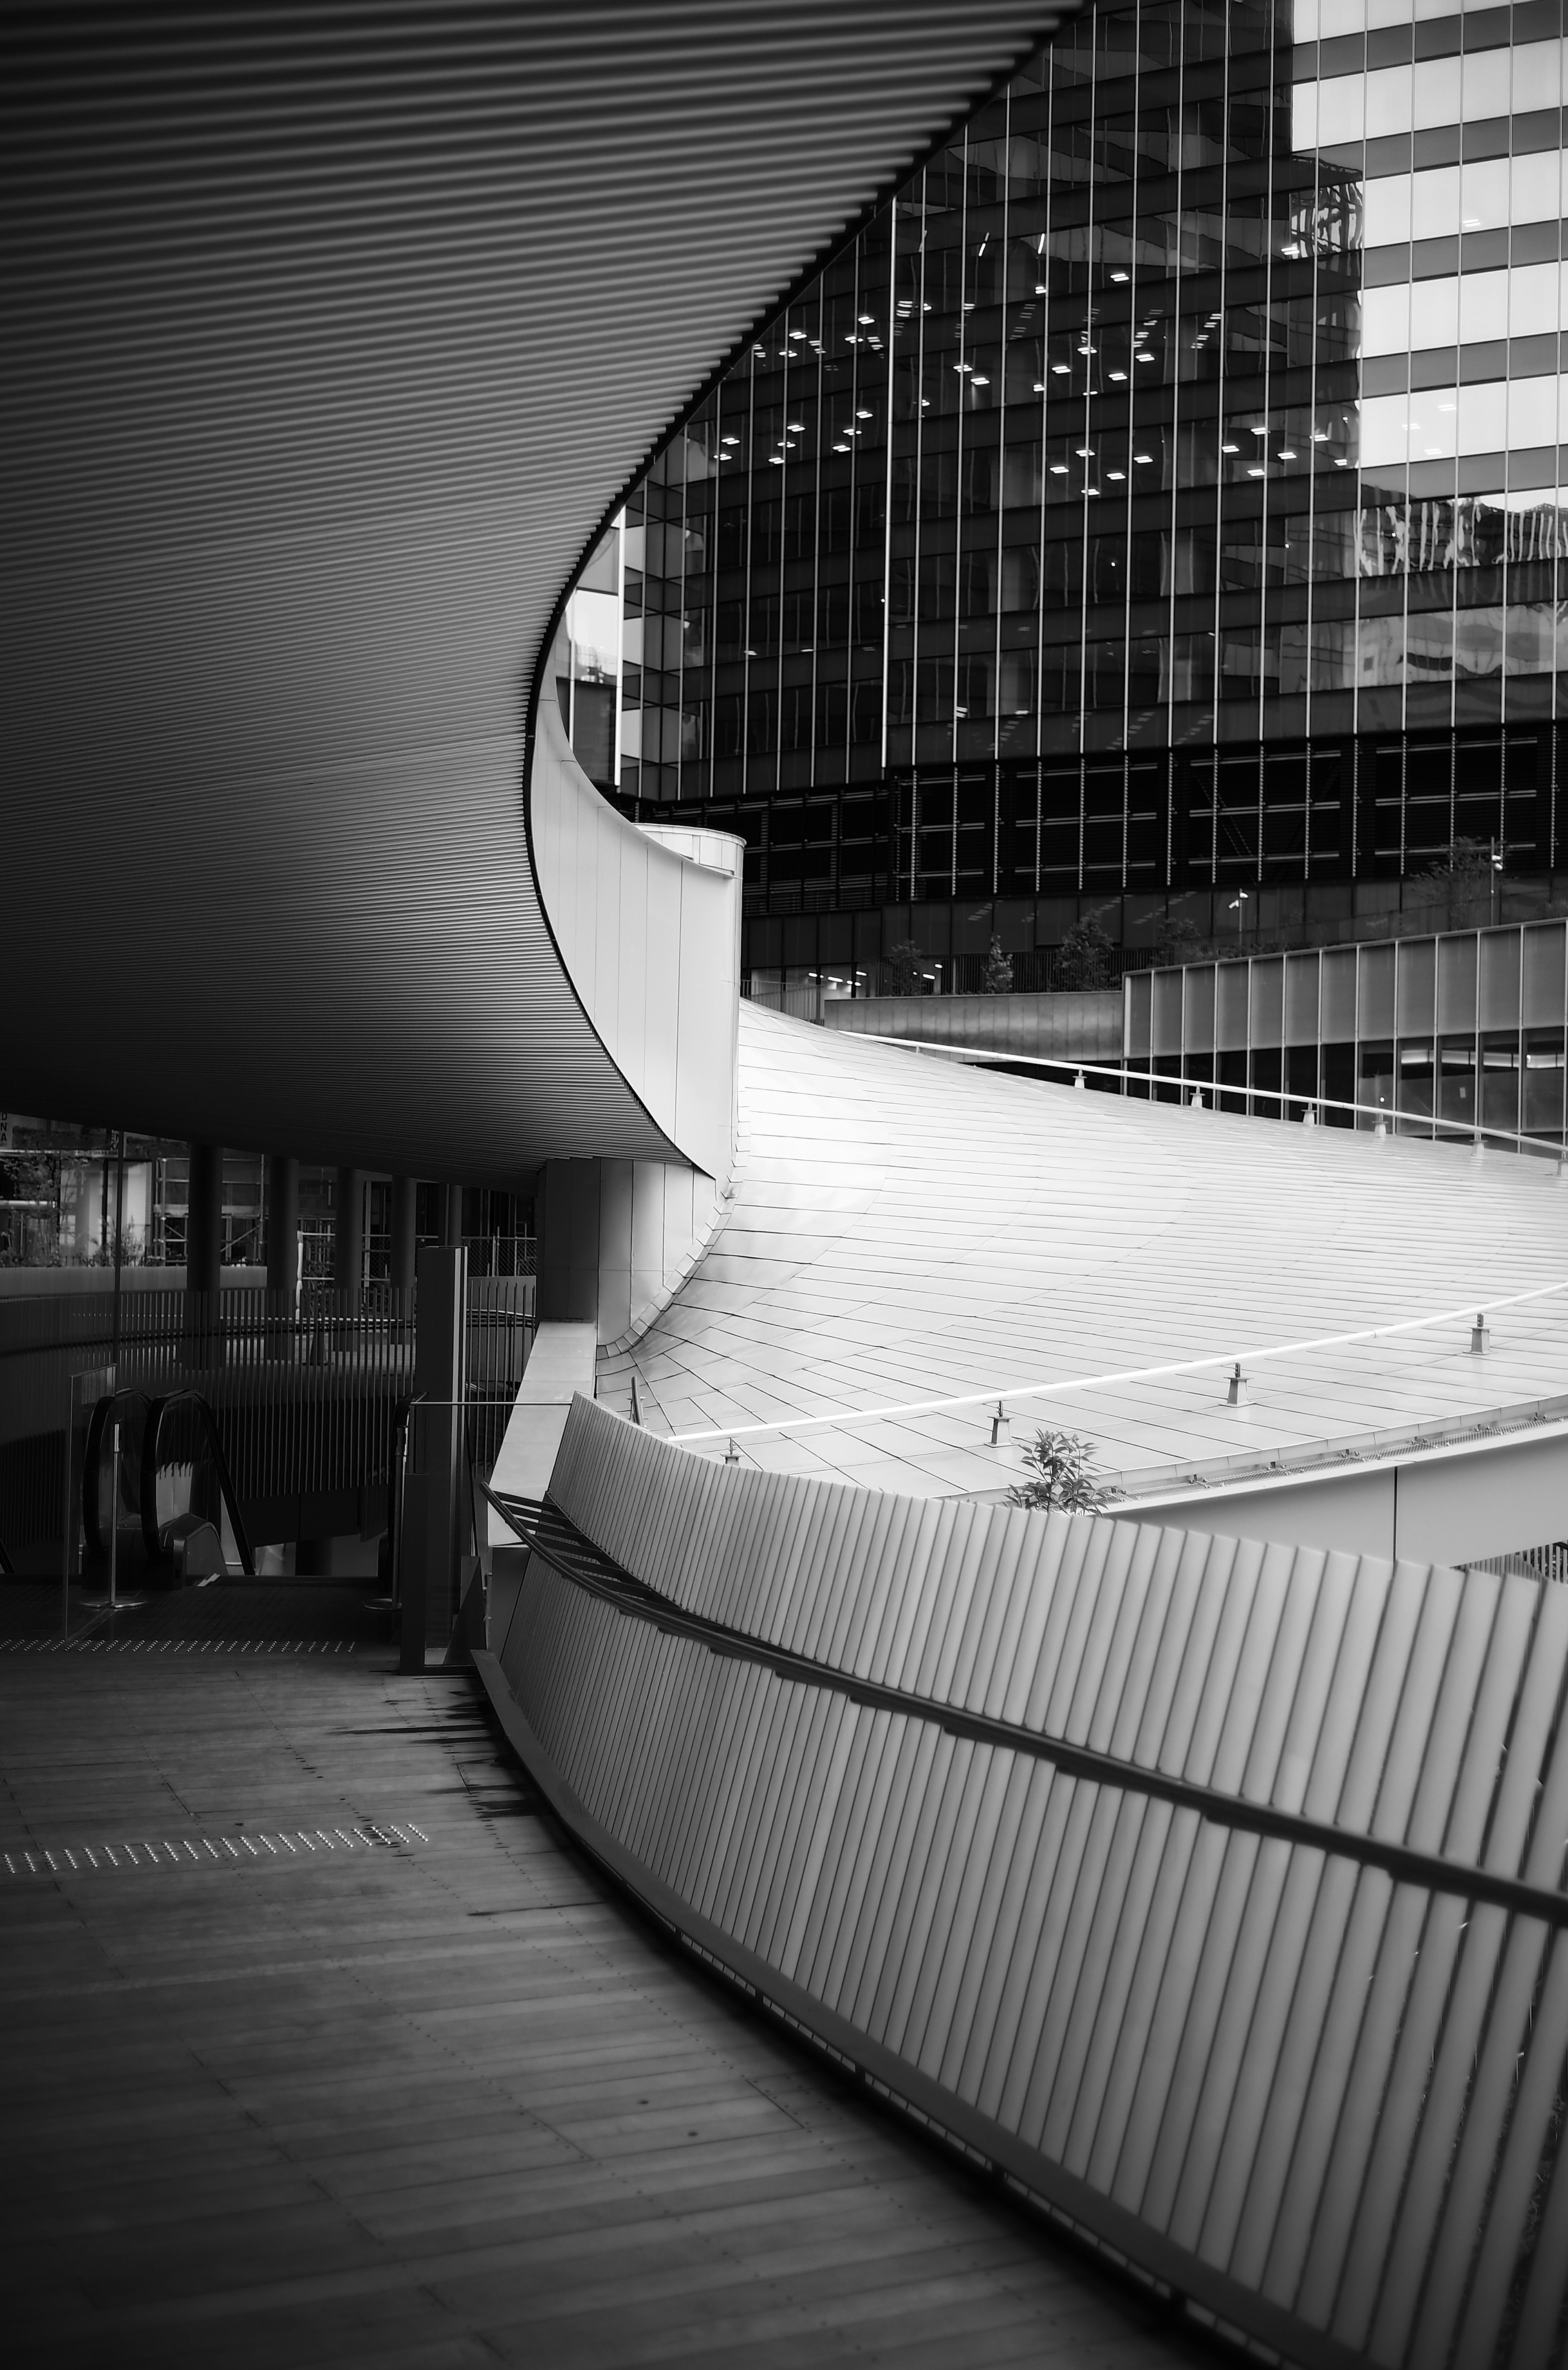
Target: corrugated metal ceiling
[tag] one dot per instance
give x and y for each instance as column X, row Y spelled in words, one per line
column 332, row 333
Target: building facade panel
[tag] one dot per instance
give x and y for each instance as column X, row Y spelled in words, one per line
column 1159, row 499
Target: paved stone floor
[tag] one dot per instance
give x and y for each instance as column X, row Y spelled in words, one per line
column 322, row 2045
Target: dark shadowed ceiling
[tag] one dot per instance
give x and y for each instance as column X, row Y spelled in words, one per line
column 332, row 334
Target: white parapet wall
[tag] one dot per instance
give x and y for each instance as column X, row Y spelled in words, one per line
column 648, row 924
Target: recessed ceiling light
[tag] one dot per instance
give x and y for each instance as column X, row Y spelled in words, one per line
column 1118, row 275
column 1117, row 477
column 866, row 319
column 1230, row 448
column 1060, row 369
column 1289, row 452
column 1119, row 376
column 1143, row 456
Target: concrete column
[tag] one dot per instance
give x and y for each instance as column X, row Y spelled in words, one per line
column 405, row 1215
column 431, row 1519
column 348, row 1235
column 282, row 1227
column 204, row 1219
column 451, row 1217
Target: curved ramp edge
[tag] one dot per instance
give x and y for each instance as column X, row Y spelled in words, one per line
column 1244, row 2062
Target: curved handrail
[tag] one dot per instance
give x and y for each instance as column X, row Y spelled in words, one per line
column 103, row 1408
column 846, row 1417
column 151, row 1529
column 1452, row 1130
column 575, row 1556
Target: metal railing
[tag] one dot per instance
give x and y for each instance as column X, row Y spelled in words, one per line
column 303, row 1395
column 1468, row 1312
column 1423, row 1126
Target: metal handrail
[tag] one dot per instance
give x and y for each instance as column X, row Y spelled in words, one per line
column 1476, row 1130
column 1464, row 1314
column 584, row 1565
column 150, row 1528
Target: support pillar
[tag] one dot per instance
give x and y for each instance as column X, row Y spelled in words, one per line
column 204, row 1219
column 347, row 1233
column 283, row 1229
column 405, row 1213
column 203, row 1254
column 451, row 1217
column 432, row 1518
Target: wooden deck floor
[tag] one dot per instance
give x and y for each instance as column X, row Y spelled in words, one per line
column 439, row 2103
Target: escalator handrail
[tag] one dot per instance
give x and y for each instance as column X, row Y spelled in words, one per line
column 98, row 1423
column 150, row 1532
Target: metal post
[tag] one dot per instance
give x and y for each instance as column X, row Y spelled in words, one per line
column 114, row 1515
column 119, row 1239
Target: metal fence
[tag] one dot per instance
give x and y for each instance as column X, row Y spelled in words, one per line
column 305, row 1393
column 1210, row 1892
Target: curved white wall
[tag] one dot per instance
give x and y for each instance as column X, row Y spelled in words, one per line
column 650, row 937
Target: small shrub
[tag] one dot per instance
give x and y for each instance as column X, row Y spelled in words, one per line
column 906, row 969
column 998, row 971
column 1060, row 1475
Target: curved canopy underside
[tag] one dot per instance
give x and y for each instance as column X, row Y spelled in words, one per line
column 333, row 336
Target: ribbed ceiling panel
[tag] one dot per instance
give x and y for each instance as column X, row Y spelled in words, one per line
column 332, row 334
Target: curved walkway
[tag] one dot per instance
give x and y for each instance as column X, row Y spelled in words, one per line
column 441, row 2102
column 901, row 1229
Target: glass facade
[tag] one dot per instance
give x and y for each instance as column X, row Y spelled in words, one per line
column 1162, row 495
column 1463, row 1035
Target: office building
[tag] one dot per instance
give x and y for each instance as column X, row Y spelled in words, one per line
column 1156, row 500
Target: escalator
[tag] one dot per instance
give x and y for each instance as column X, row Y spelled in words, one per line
column 155, row 1482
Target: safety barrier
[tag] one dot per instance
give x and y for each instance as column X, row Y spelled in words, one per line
column 1211, row 1892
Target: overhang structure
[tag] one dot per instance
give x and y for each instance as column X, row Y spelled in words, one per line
column 332, row 341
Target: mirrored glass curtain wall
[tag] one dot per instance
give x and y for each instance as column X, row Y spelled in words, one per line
column 1164, row 491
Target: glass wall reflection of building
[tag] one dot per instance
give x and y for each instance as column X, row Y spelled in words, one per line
column 1159, row 497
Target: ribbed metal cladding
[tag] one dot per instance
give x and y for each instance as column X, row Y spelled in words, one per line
column 1270, row 1997
column 331, row 337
